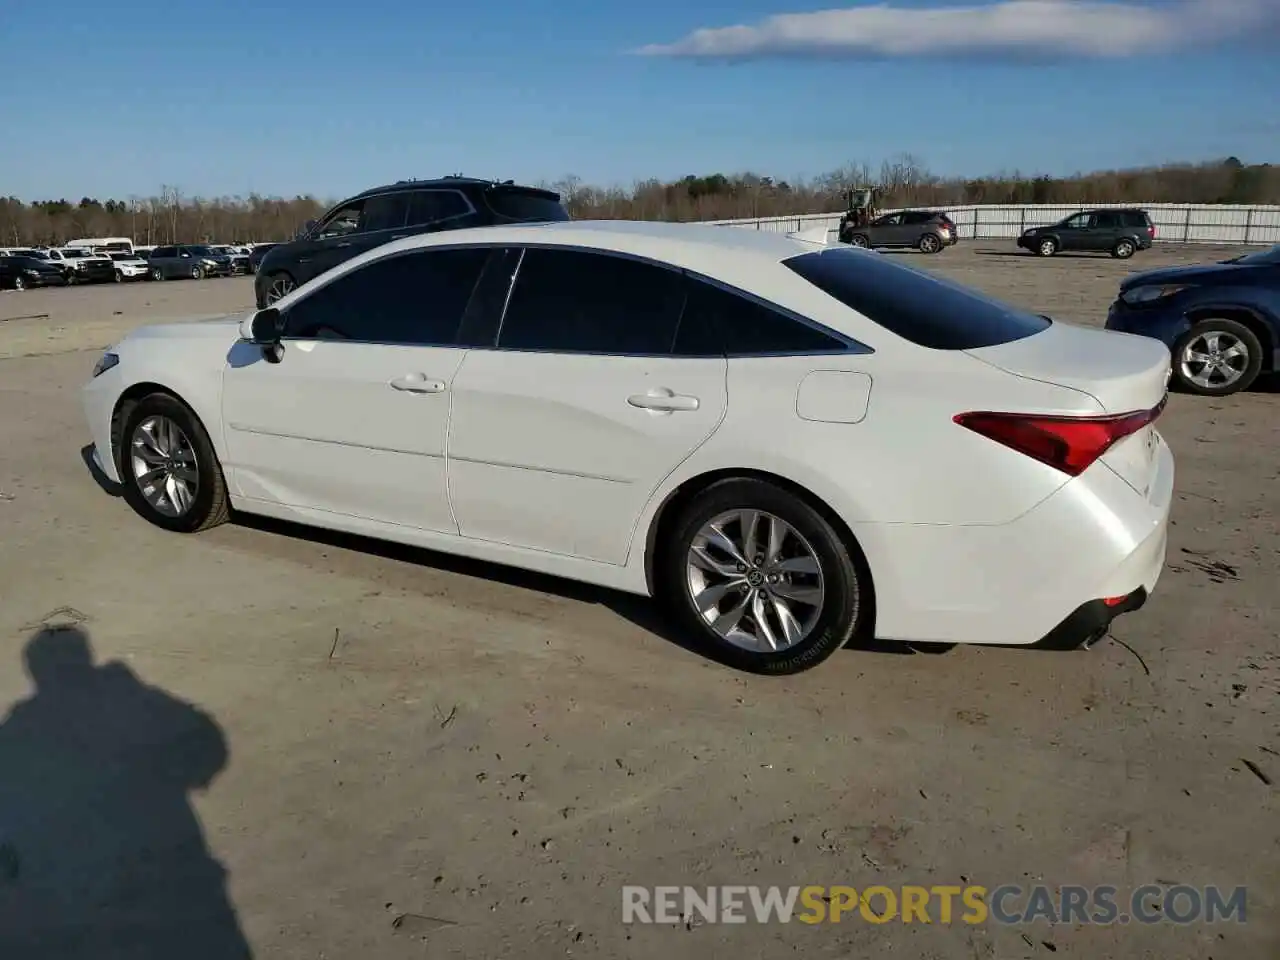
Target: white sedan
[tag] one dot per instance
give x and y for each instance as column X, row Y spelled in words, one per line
column 789, row 444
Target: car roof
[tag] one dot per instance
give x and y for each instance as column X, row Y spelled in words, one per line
column 457, row 182
column 677, row 243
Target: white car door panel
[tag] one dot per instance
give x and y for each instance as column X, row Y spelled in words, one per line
column 561, row 452
column 352, row 428
column 354, row 417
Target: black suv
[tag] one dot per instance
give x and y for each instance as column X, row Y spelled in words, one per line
column 928, row 231
column 389, row 213
column 1118, row 232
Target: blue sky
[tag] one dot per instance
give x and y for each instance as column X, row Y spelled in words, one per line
column 331, row 96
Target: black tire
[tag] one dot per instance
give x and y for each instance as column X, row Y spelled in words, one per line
column 1241, row 334
column 119, row 278
column 157, row 273
column 1124, row 249
column 859, row 240
column 929, row 243
column 1047, row 247
column 846, row 583
column 19, row 284
column 210, row 505
column 197, row 272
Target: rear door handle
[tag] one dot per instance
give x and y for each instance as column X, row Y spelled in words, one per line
column 663, row 400
column 418, row 383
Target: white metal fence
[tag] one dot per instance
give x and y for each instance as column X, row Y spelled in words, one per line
column 1175, row 222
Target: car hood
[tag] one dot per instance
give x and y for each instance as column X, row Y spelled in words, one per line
column 1190, row 274
column 221, row 327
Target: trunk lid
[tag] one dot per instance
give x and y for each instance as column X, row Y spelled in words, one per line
column 1122, row 372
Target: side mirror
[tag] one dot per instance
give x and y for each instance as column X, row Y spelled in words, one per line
column 263, row 329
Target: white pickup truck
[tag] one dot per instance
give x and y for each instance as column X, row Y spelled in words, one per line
column 83, row 266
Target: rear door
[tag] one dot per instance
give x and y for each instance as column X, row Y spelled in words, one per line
column 562, row 430
column 436, row 210
column 1106, row 230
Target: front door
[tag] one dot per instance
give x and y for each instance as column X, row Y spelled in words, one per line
column 562, row 432
column 1074, row 232
column 354, row 418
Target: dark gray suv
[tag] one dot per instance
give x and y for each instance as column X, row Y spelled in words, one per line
column 388, row 213
column 1119, row 232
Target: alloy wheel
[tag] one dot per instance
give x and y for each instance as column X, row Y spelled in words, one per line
column 755, row 581
column 1213, row 360
column 280, row 288
column 164, row 466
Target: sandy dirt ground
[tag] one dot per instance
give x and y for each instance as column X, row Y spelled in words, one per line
column 327, row 748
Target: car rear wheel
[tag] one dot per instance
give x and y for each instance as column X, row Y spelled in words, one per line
column 1216, row 358
column 19, row 283
column 157, row 273
column 859, row 240
column 1047, row 247
column 171, row 475
column 281, row 286
column 761, row 578
column 1123, row 250
column 929, row 243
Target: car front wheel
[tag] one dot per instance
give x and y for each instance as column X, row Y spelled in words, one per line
column 1216, row 358
column 1047, row 247
column 171, row 474
column 761, row 578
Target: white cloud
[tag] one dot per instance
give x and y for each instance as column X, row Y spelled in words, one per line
column 1081, row 28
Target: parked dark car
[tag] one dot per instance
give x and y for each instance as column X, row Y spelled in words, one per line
column 928, row 231
column 398, row 210
column 21, row 273
column 1221, row 321
column 1119, row 232
column 192, row 260
column 257, row 253
column 239, row 261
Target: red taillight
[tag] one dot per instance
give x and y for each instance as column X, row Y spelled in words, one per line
column 1151, row 231
column 1069, row 444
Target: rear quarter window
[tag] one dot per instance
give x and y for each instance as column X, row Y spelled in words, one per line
column 926, row 310
column 522, row 205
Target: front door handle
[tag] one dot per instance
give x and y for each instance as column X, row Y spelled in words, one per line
column 418, row 383
column 663, row 400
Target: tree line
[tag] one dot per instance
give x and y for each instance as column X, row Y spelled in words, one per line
column 173, row 217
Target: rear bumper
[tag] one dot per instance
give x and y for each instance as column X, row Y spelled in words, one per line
column 1089, row 622
column 1017, row 583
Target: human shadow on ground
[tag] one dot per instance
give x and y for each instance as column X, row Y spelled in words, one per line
column 101, row 855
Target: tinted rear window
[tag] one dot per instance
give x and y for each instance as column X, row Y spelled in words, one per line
column 916, row 306
column 521, row 205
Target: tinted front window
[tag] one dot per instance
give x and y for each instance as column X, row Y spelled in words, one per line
column 742, row 327
column 522, row 205
column 341, row 223
column 916, row 306
column 429, row 206
column 415, row 298
column 565, row 301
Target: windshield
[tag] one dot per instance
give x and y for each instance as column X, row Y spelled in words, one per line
column 1261, row 257
column 200, row 251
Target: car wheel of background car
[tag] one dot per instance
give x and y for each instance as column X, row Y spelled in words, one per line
column 172, row 476
column 761, row 577
column 157, row 273
column 197, row 272
column 1216, row 358
column 19, row 283
column 119, row 277
column 1048, row 247
column 281, row 286
column 929, row 243
column 1123, row 250
column 859, row 240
